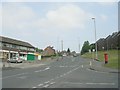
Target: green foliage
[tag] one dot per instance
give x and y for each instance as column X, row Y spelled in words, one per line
column 85, row 47
column 38, row 50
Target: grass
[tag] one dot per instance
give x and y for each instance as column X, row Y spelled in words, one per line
column 112, row 57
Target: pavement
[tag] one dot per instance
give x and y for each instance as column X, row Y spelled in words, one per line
column 99, row 66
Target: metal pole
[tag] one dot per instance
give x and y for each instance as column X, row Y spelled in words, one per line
column 95, row 38
column 62, row 45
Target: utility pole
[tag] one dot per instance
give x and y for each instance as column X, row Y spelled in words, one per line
column 62, row 45
column 79, row 47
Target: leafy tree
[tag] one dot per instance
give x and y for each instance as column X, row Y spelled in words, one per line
column 39, row 50
column 85, row 47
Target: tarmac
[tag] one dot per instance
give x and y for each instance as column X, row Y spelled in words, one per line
column 94, row 65
column 25, row 64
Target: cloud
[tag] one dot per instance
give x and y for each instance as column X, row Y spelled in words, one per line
column 16, row 17
column 65, row 17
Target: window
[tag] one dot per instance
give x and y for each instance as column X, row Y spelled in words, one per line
column 23, row 48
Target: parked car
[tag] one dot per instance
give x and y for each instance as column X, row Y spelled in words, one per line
column 15, row 59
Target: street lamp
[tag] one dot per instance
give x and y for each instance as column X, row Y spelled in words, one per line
column 95, row 38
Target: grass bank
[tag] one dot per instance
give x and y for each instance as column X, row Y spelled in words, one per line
column 112, row 57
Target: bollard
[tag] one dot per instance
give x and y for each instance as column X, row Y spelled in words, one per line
column 106, row 58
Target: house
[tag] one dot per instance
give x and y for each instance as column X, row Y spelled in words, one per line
column 101, row 44
column 48, row 51
column 15, row 48
column 110, row 42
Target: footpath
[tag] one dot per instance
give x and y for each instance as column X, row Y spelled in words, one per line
column 26, row 64
column 99, row 66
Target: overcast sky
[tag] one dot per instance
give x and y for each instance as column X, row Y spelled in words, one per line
column 47, row 23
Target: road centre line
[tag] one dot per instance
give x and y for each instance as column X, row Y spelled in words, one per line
column 46, row 86
column 43, row 70
column 47, row 82
column 50, row 83
column 40, row 85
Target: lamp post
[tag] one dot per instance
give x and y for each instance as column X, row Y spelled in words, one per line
column 95, row 38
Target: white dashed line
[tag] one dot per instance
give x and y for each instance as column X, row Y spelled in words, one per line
column 46, row 86
column 47, row 82
column 40, row 85
column 52, row 83
column 34, row 87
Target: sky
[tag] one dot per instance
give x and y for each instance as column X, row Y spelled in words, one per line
column 47, row 23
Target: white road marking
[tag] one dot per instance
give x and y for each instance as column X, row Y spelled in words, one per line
column 101, row 83
column 43, row 70
column 91, row 83
column 72, row 83
column 82, row 66
column 46, row 86
column 47, row 68
column 13, row 75
column 34, row 87
column 47, row 82
column 90, row 63
column 40, row 85
column 52, row 83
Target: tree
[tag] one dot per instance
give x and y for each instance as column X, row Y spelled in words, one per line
column 68, row 51
column 85, row 47
column 39, row 50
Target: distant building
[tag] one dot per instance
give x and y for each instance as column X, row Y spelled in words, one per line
column 10, row 48
column 48, row 51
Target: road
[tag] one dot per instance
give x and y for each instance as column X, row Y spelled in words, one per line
column 69, row 72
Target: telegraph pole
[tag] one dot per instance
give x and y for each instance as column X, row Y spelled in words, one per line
column 62, row 45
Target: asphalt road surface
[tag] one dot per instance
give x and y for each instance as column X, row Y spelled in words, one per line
column 69, row 72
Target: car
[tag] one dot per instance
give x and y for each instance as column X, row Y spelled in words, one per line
column 64, row 55
column 15, row 59
column 74, row 55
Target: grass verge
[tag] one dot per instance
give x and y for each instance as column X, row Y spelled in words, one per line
column 112, row 57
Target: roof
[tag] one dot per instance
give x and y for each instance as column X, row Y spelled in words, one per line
column 14, row 41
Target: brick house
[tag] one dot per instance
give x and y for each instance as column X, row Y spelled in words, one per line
column 48, row 51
